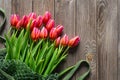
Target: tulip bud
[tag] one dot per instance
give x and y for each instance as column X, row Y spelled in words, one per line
column 64, row 40
column 43, row 33
column 53, row 34
column 33, row 24
column 32, row 15
column 18, row 25
column 35, row 34
column 46, row 17
column 50, row 24
column 14, row 19
column 39, row 21
column 24, row 21
column 59, row 29
column 57, row 41
column 74, row 41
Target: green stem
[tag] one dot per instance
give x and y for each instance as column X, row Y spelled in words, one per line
column 65, row 71
column 58, row 62
column 65, row 50
column 51, row 64
column 48, row 57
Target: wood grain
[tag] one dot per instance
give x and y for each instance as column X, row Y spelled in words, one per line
column 21, row 7
column 118, row 39
column 97, row 22
column 107, row 36
column 65, row 15
column 86, row 29
column 40, row 6
column 6, row 5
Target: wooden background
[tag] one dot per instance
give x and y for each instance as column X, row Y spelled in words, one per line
column 95, row 21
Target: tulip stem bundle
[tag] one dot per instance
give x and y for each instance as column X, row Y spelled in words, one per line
column 36, row 42
column 43, row 57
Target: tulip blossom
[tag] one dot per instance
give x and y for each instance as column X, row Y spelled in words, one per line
column 35, row 34
column 33, row 24
column 59, row 29
column 46, row 17
column 43, row 33
column 50, row 24
column 53, row 34
column 14, row 19
column 57, row 41
column 24, row 21
column 39, row 21
column 32, row 15
column 40, row 46
column 74, row 41
column 18, row 25
column 64, row 40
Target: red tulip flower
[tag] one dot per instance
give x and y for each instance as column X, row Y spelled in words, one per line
column 14, row 19
column 18, row 25
column 74, row 41
column 39, row 21
column 50, row 24
column 57, row 41
column 35, row 34
column 32, row 15
column 24, row 21
column 53, row 34
column 59, row 29
column 33, row 24
column 43, row 33
column 46, row 17
column 64, row 40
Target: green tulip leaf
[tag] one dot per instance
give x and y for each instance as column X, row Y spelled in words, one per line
column 70, row 74
column 2, row 13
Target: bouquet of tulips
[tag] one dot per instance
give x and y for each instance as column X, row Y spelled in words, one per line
column 34, row 42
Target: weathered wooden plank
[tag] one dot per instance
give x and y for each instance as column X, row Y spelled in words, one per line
column 107, row 37
column 65, row 15
column 21, row 7
column 98, row 31
column 86, row 29
column 6, row 5
column 40, row 6
column 118, row 39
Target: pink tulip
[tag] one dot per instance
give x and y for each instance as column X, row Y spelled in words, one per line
column 53, row 34
column 64, row 40
column 14, row 20
column 46, row 17
column 32, row 15
column 57, row 41
column 18, row 26
column 35, row 34
column 39, row 21
column 50, row 24
column 74, row 41
column 43, row 33
column 24, row 21
column 33, row 24
column 59, row 29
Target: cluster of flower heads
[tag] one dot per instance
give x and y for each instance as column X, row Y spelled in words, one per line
column 43, row 27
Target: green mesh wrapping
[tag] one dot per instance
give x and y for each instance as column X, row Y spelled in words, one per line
column 19, row 70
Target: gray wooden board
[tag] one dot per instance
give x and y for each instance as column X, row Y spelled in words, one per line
column 95, row 21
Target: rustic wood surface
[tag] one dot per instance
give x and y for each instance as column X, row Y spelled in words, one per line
column 95, row 21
